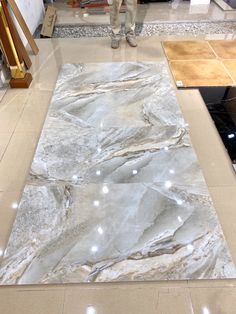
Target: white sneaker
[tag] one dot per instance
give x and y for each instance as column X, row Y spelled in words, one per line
column 131, row 39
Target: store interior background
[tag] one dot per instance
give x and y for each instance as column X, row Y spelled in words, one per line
column 22, row 115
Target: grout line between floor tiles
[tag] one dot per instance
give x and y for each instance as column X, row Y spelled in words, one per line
column 158, row 299
column 216, row 56
column 17, row 122
column 64, row 299
column 227, row 71
column 190, row 299
column 4, row 151
column 37, row 72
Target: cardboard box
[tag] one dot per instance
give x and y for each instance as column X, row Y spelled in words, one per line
column 49, row 22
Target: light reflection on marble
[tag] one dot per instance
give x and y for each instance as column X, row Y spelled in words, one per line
column 115, row 191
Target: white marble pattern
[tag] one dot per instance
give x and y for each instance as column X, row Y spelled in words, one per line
column 115, row 191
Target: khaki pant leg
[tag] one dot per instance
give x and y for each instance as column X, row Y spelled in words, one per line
column 131, row 11
column 115, row 17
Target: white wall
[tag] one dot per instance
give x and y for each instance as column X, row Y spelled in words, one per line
column 196, row 2
column 33, row 13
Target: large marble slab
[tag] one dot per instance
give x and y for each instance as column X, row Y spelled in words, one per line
column 115, row 191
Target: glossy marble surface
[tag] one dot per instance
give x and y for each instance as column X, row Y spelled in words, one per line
column 115, row 190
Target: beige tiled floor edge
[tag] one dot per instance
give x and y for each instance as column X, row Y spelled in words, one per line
column 195, row 297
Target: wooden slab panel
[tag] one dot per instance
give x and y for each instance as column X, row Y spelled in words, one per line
column 231, row 67
column 225, row 49
column 200, row 73
column 188, row 50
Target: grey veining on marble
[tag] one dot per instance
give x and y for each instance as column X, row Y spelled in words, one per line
column 181, row 28
column 115, row 191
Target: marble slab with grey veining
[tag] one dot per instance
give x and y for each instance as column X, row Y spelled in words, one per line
column 115, row 191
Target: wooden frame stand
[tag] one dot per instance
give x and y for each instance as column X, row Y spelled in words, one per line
column 21, row 83
column 12, row 47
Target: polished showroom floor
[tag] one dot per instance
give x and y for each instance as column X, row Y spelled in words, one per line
column 22, row 117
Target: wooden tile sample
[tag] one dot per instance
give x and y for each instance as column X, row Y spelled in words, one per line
column 200, row 73
column 188, row 50
column 231, row 67
column 225, row 49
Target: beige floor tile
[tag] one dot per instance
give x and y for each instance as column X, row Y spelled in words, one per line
column 31, row 302
column 8, row 208
column 16, row 161
column 4, row 141
column 188, row 50
column 224, row 199
column 213, row 158
column 212, row 155
column 35, row 111
column 225, row 49
column 216, row 283
column 214, row 300
column 231, row 67
column 107, row 300
column 11, row 108
column 175, row 301
column 55, row 53
column 200, row 73
column 219, row 36
column 190, row 100
column 3, row 91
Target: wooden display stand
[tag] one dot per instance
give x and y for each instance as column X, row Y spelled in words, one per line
column 12, row 47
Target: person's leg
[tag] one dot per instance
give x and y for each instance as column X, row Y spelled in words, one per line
column 131, row 11
column 115, row 23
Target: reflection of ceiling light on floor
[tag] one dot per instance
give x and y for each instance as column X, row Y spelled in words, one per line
column 98, row 172
column 179, row 202
column 205, row 311
column 100, row 230
column 14, row 205
column 105, row 190
column 94, row 249
column 171, row 171
column 91, row 310
column 96, row 203
column 180, row 219
column 166, row 148
column 190, row 247
column 168, row 184
column 135, row 171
